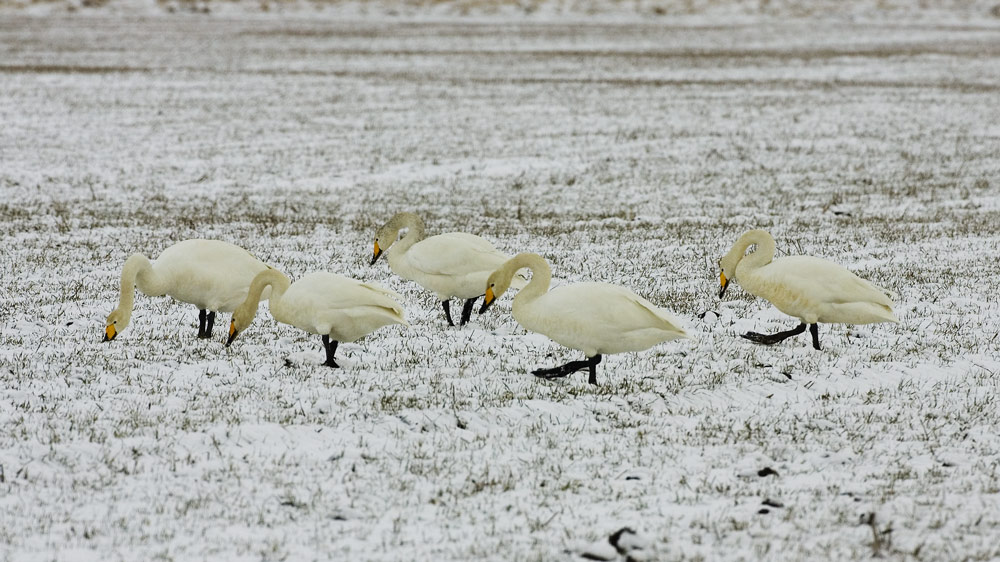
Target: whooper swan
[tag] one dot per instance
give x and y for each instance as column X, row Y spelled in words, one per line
column 336, row 307
column 210, row 274
column 811, row 289
column 595, row 318
column 450, row 265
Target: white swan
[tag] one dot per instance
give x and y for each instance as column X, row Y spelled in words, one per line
column 210, row 274
column 336, row 307
column 450, row 265
column 595, row 318
column 811, row 289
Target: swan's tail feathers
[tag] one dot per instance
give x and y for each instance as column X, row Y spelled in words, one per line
column 891, row 316
column 683, row 335
column 678, row 333
column 380, row 289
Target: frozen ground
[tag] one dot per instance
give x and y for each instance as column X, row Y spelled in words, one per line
column 631, row 153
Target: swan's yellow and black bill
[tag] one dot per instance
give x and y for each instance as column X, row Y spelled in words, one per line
column 232, row 333
column 110, row 332
column 723, row 282
column 375, row 256
column 488, row 299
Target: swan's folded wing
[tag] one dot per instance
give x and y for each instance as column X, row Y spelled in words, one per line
column 824, row 281
column 454, row 253
column 614, row 308
column 319, row 293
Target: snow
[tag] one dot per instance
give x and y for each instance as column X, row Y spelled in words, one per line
column 625, row 149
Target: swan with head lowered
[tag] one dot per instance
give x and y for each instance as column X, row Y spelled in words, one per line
column 338, row 308
column 814, row 290
column 595, row 318
column 452, row 265
column 210, row 274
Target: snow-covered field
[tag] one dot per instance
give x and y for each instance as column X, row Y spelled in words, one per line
column 633, row 153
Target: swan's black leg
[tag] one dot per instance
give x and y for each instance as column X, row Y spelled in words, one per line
column 331, row 350
column 593, row 369
column 209, row 322
column 570, row 368
column 467, row 310
column 814, row 330
column 771, row 339
column 202, row 314
column 447, row 311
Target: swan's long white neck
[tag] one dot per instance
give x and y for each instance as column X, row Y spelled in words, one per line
column 541, row 276
column 137, row 272
column 414, row 233
column 759, row 257
column 278, row 282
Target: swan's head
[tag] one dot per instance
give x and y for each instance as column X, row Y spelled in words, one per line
column 496, row 285
column 117, row 321
column 727, row 271
column 384, row 238
column 240, row 322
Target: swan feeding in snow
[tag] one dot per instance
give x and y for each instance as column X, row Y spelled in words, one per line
column 811, row 289
column 595, row 318
column 210, row 274
column 450, row 265
column 338, row 308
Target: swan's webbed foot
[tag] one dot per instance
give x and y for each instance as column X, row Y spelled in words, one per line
column 467, row 310
column 771, row 339
column 570, row 368
column 331, row 350
column 446, row 305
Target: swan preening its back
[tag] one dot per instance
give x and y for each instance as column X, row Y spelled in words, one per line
column 811, row 289
column 452, row 265
column 210, row 274
column 595, row 318
column 338, row 308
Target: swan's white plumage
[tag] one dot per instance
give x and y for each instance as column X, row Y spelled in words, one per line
column 323, row 303
column 451, row 265
column 344, row 309
column 805, row 287
column 210, row 274
column 595, row 318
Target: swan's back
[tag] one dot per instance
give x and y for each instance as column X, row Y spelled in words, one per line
column 598, row 318
column 210, row 274
column 818, row 290
column 344, row 308
column 454, row 264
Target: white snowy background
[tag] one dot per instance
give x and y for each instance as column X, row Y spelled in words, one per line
column 625, row 142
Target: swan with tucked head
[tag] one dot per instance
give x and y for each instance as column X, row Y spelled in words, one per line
column 814, row 290
column 338, row 308
column 210, row 274
column 595, row 318
column 452, row 265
